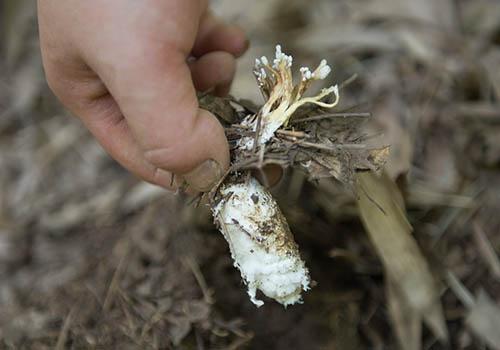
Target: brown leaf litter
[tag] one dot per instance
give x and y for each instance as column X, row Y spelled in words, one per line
column 92, row 258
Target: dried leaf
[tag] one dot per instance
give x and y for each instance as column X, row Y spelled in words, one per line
column 218, row 106
column 196, row 310
column 486, row 250
column 323, row 166
column 396, row 133
column 343, row 165
column 180, row 326
column 373, row 159
column 383, row 215
column 407, row 324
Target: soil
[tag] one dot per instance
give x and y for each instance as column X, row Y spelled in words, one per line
column 91, row 257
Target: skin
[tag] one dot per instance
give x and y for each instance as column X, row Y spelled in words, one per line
column 130, row 70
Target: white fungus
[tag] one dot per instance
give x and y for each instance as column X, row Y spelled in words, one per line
column 261, row 244
column 284, row 98
column 322, row 71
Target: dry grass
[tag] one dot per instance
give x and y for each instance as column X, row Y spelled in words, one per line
column 92, row 258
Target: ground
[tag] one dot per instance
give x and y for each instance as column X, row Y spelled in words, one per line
column 90, row 257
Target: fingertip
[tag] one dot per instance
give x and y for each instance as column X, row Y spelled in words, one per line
column 188, row 149
column 237, row 41
column 205, row 176
column 212, row 132
column 214, row 72
column 216, row 35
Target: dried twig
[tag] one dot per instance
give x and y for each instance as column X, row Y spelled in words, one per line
column 331, row 115
column 331, row 148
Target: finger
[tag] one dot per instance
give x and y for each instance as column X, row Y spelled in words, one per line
column 84, row 94
column 146, row 74
column 158, row 100
column 101, row 115
column 216, row 35
column 104, row 120
column 214, row 71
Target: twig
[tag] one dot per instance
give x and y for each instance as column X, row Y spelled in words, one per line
column 331, row 148
column 298, row 134
column 331, row 115
column 261, row 155
column 348, row 81
column 213, row 191
column 108, row 300
column 484, row 112
column 240, row 126
column 195, row 269
column 196, row 200
column 487, row 251
column 63, row 335
column 257, row 131
column 460, row 291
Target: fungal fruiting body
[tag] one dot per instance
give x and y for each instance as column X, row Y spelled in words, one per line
column 261, row 244
column 283, row 96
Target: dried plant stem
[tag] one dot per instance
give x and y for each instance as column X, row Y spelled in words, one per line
column 331, row 115
column 331, row 148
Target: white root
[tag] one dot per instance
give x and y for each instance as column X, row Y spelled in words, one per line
column 261, row 244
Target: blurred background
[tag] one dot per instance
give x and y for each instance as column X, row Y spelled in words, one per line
column 90, row 257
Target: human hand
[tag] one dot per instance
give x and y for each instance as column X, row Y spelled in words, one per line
column 122, row 67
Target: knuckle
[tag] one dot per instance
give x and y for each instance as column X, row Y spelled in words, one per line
column 60, row 85
column 52, row 82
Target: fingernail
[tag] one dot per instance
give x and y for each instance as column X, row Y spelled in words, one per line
column 246, row 44
column 165, row 179
column 204, row 176
column 244, row 48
